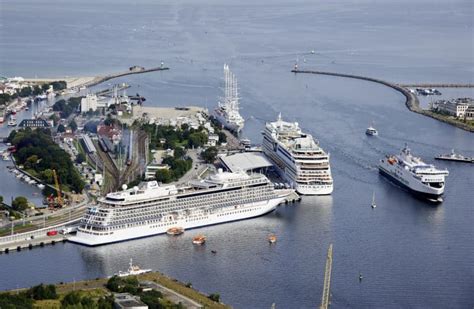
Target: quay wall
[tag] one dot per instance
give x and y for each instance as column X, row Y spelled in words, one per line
column 412, row 102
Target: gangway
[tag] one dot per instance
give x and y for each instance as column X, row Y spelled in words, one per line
column 327, row 280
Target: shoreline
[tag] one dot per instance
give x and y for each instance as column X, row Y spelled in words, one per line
column 173, row 287
column 412, row 102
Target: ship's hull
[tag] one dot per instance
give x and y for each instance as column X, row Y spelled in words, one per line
column 314, row 189
column 231, row 126
column 228, row 214
column 412, row 185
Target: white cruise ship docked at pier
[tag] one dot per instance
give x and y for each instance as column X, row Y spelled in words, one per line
column 227, row 112
column 153, row 209
column 297, row 157
column 412, row 173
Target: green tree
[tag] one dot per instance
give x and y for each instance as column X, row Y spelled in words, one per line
column 61, row 128
column 20, row 203
column 71, row 299
column 215, row 297
column 42, row 292
column 106, row 302
column 164, row 176
column 197, row 139
column 222, row 137
column 25, row 92
column 21, row 300
column 1, row 199
column 152, row 299
column 73, row 125
column 209, row 155
column 179, row 152
column 80, row 158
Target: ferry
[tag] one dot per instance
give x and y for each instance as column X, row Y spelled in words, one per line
column 413, row 174
column 151, row 209
column 227, row 112
column 455, row 157
column 297, row 157
column 133, row 270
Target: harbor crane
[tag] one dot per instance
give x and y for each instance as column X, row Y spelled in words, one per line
column 327, row 280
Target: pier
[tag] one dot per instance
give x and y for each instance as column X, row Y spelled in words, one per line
column 89, row 81
column 411, row 99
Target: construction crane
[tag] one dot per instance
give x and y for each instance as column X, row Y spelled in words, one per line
column 327, row 280
column 58, row 189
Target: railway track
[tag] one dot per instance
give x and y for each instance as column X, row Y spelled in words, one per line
column 139, row 152
column 111, row 170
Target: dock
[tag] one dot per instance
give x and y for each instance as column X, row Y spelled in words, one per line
column 28, row 243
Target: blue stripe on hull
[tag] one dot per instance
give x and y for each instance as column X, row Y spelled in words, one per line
column 423, row 195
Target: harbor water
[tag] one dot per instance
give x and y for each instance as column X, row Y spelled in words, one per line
column 410, row 253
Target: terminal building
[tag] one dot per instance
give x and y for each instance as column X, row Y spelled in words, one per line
column 246, row 161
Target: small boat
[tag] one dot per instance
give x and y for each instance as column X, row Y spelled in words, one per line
column 373, row 205
column 371, row 131
column 455, row 157
column 132, row 270
column 360, row 277
column 272, row 239
column 199, row 240
column 41, row 186
column 175, row 231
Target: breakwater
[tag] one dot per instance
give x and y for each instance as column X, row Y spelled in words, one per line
column 412, row 102
column 100, row 79
column 434, row 85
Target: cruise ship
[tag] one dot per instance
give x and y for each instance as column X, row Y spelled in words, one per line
column 413, row 174
column 227, row 112
column 297, row 157
column 152, row 209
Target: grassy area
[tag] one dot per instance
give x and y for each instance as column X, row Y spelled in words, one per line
column 56, row 303
column 182, row 289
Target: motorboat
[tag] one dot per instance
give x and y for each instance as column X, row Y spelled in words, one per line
column 175, row 231
column 199, row 240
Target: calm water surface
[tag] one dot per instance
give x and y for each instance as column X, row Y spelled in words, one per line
column 411, row 254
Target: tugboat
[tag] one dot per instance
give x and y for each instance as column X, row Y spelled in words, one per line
column 272, row 239
column 455, row 157
column 199, row 240
column 175, row 231
column 132, row 270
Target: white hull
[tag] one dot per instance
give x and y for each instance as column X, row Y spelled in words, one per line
column 308, row 189
column 223, row 215
column 231, row 126
column 314, row 189
column 406, row 179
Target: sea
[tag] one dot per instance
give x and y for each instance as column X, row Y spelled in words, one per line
column 411, row 254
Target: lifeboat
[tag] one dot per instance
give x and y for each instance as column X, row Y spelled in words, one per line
column 175, row 231
column 272, row 239
column 199, row 240
column 392, row 160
